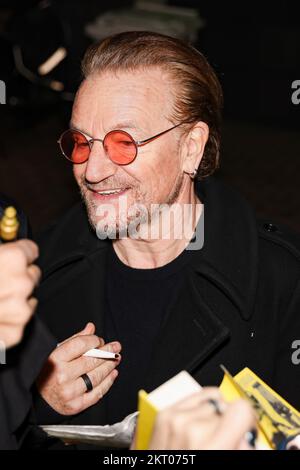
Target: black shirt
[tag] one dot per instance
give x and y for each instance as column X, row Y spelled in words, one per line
column 138, row 302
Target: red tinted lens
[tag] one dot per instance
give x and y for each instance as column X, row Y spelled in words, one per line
column 75, row 146
column 120, row 147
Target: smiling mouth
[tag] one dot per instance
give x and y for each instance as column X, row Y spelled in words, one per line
column 109, row 192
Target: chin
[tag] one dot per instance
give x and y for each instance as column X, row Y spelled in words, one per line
column 111, row 230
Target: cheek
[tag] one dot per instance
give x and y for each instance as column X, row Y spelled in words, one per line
column 165, row 167
column 156, row 172
column 79, row 172
column 157, row 161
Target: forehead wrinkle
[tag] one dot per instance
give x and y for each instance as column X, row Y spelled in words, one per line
column 124, row 125
column 150, row 116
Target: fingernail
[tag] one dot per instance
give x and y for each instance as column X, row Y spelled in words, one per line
column 115, row 346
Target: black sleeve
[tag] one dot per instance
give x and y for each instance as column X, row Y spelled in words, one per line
column 23, row 364
column 44, row 413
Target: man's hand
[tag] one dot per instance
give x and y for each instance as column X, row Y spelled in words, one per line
column 193, row 424
column 18, row 278
column 60, row 382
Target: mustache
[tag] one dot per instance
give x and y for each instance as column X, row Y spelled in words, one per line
column 104, row 185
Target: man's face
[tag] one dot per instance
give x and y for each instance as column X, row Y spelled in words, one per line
column 139, row 103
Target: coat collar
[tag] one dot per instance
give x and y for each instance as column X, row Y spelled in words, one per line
column 229, row 257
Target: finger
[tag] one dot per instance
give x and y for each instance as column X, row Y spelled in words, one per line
column 85, row 364
column 160, row 439
column 203, row 410
column 190, row 428
column 17, row 256
column 185, row 422
column 75, row 347
column 34, row 273
column 89, row 327
column 96, row 376
column 91, row 398
column 18, row 312
column 29, row 249
column 239, row 418
column 10, row 336
column 196, row 399
column 197, row 429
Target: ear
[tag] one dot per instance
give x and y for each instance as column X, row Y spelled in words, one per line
column 194, row 146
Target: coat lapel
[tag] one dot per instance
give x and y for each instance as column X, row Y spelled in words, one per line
column 190, row 334
column 228, row 261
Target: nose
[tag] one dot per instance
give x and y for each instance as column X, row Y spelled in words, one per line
column 99, row 166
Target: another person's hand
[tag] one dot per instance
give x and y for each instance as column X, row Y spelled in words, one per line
column 60, row 382
column 18, row 278
column 194, row 424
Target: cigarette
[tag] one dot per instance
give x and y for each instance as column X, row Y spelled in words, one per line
column 100, row 354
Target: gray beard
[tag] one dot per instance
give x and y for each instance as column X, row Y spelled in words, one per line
column 122, row 229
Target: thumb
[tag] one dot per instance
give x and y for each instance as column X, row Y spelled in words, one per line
column 89, row 329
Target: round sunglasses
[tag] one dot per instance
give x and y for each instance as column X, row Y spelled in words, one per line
column 120, row 146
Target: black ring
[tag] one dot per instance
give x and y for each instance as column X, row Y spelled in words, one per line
column 87, row 381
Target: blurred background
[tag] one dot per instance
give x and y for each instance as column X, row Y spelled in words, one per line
column 255, row 50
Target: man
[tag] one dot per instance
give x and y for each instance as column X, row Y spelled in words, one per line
column 18, row 277
column 145, row 131
column 20, row 363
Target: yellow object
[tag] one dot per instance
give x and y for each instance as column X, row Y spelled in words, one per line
column 172, row 391
column 9, row 224
column 146, row 420
column 277, row 419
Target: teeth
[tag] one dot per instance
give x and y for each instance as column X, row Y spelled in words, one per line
column 115, row 191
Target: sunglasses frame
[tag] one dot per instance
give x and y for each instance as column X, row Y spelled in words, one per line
column 137, row 143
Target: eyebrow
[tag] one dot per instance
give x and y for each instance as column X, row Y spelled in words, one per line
column 120, row 125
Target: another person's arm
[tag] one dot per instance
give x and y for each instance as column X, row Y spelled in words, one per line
column 194, row 424
column 18, row 278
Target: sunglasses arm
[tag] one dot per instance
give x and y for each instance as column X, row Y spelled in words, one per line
column 146, row 141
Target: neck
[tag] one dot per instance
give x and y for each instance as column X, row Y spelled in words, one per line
column 148, row 251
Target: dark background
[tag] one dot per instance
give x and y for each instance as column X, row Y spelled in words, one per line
column 255, row 50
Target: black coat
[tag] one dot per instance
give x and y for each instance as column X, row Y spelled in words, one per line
column 242, row 307
column 23, row 364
